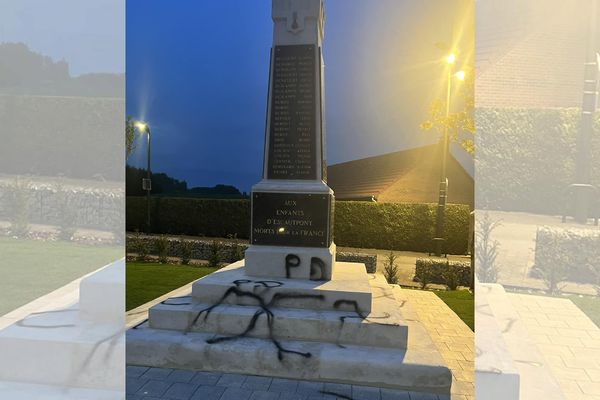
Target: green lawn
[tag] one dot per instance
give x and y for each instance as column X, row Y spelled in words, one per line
column 147, row 281
column 462, row 303
column 589, row 305
column 32, row 268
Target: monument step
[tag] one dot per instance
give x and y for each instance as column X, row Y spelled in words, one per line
column 419, row 369
column 348, row 290
column 68, row 351
column 339, row 327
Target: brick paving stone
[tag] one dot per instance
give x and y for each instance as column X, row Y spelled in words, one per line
column 157, row 373
column 180, row 391
column 235, row 393
column 206, row 378
column 132, row 385
column 134, row 371
column 181, row 375
column 307, row 388
column 264, row 395
column 391, row 394
column 338, row 388
column 208, row 393
column 154, row 388
column 365, row 393
column 283, row 385
column 231, row 380
column 291, row 396
column 257, row 383
column 422, row 396
column 592, row 388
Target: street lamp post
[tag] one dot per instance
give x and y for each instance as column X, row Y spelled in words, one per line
column 146, row 183
column 443, row 185
column 583, row 187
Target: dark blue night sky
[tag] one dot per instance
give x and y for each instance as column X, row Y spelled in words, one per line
column 197, row 71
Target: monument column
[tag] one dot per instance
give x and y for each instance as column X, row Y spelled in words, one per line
column 292, row 206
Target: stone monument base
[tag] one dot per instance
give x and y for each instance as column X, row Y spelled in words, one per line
column 351, row 329
column 267, row 261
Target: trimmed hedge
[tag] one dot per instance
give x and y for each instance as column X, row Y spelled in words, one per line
column 399, row 226
column 188, row 216
column 441, row 272
column 369, row 260
column 526, row 158
column 388, row 226
column 228, row 251
column 567, row 255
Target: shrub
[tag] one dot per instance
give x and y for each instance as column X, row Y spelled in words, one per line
column 186, row 248
column 486, row 249
column 215, row 254
column 162, row 248
column 18, row 197
column 237, row 251
column 370, row 260
column 141, row 248
column 67, row 214
column 451, row 277
column 566, row 255
column 443, row 272
column 391, row 269
column 356, row 224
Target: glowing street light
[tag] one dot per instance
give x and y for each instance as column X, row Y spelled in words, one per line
column 143, row 127
column 443, row 185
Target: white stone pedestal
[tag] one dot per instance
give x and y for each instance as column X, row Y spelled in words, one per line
column 351, row 329
column 270, row 261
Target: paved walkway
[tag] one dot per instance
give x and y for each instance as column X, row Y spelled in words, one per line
column 453, row 338
column 568, row 340
column 167, row 384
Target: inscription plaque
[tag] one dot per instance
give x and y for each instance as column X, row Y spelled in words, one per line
column 291, row 219
column 292, row 137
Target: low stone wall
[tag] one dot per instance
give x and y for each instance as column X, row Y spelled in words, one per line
column 201, row 248
column 56, row 204
column 229, row 251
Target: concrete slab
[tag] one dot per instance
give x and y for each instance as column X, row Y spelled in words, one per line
column 383, row 329
column 348, row 285
column 421, row 370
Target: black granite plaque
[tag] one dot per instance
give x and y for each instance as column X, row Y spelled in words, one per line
column 291, row 219
column 292, row 137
